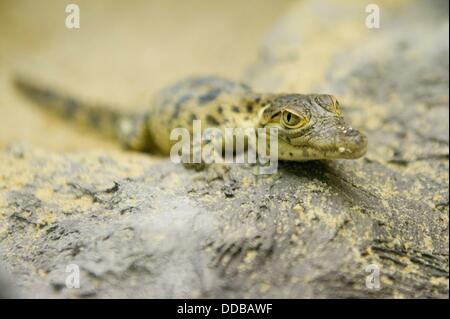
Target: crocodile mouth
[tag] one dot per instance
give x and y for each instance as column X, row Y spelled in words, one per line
column 344, row 150
column 341, row 151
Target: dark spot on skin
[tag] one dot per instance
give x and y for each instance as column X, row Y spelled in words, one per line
column 48, row 96
column 114, row 117
column 235, row 109
column 45, row 96
column 246, row 118
column 257, row 100
column 220, row 109
column 210, row 96
column 30, row 91
column 249, row 108
column 71, row 106
column 183, row 99
column 212, row 120
column 94, row 119
column 193, row 117
column 290, row 154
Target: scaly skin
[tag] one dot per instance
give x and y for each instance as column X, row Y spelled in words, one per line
column 310, row 127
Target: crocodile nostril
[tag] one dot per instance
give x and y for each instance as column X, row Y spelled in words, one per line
column 360, row 140
column 349, row 131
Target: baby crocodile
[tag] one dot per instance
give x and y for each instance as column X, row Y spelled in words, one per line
column 310, row 126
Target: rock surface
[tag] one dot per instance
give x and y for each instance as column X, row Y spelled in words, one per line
column 143, row 227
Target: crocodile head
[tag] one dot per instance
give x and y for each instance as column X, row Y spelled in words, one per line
column 311, row 127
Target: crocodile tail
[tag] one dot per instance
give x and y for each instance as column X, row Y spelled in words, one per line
column 99, row 117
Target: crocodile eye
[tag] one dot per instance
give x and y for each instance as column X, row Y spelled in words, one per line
column 291, row 120
column 329, row 103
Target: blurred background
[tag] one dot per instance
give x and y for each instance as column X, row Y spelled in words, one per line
column 121, row 54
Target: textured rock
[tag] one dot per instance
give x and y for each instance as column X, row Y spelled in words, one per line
column 140, row 227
